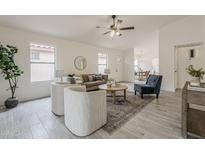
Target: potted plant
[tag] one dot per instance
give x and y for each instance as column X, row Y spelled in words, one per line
column 10, row 71
column 197, row 75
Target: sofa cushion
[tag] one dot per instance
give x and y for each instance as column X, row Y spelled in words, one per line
column 91, row 84
column 94, row 83
column 85, row 78
column 144, row 88
column 102, row 82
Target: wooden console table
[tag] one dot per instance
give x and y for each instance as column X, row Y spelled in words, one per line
column 193, row 112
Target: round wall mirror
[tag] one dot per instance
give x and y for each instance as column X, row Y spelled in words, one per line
column 80, row 63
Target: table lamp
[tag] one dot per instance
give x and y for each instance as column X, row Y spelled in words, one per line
column 59, row 74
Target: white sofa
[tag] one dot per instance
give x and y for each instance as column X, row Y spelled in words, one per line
column 84, row 112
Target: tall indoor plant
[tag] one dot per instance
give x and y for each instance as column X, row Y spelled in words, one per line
column 197, row 75
column 10, row 71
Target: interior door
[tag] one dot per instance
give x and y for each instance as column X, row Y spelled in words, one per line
column 184, row 60
column 175, row 69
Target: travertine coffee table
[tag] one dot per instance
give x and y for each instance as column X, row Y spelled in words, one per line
column 114, row 89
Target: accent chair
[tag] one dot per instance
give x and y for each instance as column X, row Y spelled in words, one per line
column 85, row 112
column 152, row 86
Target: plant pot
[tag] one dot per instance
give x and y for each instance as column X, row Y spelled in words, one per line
column 195, row 81
column 11, row 102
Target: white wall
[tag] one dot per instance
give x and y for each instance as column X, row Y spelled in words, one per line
column 149, row 47
column 149, row 44
column 66, row 51
column 184, row 60
column 188, row 30
column 129, row 65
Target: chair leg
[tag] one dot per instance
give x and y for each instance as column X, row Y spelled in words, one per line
column 135, row 92
column 142, row 95
column 157, row 96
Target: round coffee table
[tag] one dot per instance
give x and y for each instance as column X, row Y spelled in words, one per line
column 114, row 89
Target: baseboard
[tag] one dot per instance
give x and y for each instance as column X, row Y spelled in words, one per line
column 28, row 100
column 126, row 81
column 2, row 107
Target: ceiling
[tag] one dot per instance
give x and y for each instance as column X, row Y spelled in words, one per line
column 83, row 28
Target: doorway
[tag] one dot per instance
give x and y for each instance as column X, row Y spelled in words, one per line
column 185, row 55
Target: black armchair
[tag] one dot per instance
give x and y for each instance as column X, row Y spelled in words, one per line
column 152, row 86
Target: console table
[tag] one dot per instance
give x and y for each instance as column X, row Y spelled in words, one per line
column 193, row 111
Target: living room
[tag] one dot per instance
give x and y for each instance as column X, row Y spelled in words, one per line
column 65, row 53
column 79, row 48
column 86, row 76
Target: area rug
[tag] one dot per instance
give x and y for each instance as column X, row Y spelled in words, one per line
column 120, row 112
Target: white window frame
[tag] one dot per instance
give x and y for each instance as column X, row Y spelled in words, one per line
column 103, row 64
column 36, row 62
column 34, row 55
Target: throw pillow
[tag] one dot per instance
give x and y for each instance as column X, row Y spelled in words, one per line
column 94, row 78
column 98, row 77
column 90, row 77
column 85, row 78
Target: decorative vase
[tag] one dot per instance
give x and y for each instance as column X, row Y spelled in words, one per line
column 195, row 81
column 11, row 102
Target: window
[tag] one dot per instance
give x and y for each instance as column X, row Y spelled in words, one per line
column 136, row 65
column 35, row 55
column 102, row 62
column 42, row 62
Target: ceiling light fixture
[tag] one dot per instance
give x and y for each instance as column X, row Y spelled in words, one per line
column 115, row 28
column 117, row 33
column 112, row 33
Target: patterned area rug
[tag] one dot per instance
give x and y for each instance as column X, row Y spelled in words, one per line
column 121, row 112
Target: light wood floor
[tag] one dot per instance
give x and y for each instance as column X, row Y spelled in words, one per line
column 34, row 119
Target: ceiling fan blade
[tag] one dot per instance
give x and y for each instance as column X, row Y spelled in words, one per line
column 106, row 32
column 127, row 28
column 102, row 27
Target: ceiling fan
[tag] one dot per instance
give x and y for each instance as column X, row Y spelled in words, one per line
column 115, row 29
